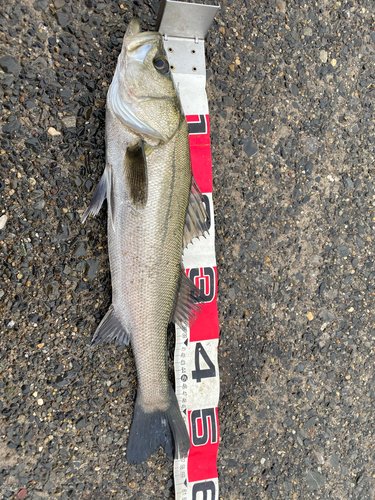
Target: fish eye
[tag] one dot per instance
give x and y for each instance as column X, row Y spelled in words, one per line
column 161, row 65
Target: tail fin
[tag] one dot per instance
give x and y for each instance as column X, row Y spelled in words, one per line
column 149, row 430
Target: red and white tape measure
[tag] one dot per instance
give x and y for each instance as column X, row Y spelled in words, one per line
column 196, row 368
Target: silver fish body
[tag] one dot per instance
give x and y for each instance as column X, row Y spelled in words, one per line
column 145, row 257
column 154, row 210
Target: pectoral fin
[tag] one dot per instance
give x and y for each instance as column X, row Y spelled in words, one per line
column 186, row 309
column 100, row 195
column 110, row 329
column 103, row 190
column 196, row 216
column 135, row 170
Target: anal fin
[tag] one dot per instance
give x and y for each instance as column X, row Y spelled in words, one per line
column 186, row 309
column 196, row 216
column 110, row 329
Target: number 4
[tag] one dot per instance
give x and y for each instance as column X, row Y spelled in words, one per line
column 199, row 373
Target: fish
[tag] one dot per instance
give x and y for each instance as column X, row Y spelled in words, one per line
column 155, row 209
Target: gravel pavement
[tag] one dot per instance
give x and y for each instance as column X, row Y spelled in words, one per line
column 291, row 88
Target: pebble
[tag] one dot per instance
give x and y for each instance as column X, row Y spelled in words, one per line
column 62, row 19
column 39, row 64
column 323, row 56
column 81, row 423
column 69, row 121
column 227, row 101
column 3, row 221
column 345, row 471
column 36, row 193
column 80, row 249
column 34, row 144
column 39, row 205
column 53, row 290
column 250, row 148
column 281, row 5
column 40, row 5
column 9, row 65
column 315, row 480
column 300, row 368
column 294, row 89
column 343, row 251
column 52, row 131
column 92, row 267
column 89, row 185
column 319, row 457
column 328, row 315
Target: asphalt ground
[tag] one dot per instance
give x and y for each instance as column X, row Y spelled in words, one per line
column 291, row 89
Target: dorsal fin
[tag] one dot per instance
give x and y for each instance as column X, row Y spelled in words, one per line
column 196, row 216
column 186, row 309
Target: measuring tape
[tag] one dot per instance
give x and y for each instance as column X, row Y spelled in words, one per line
column 184, row 27
column 195, row 363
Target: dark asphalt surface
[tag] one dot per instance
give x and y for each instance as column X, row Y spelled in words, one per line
column 291, row 88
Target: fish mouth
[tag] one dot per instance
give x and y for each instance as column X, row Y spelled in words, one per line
column 125, row 112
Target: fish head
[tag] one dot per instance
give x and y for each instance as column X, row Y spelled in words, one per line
column 145, row 98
